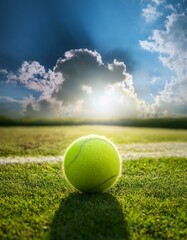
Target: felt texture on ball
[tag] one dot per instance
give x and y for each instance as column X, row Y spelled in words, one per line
column 92, row 164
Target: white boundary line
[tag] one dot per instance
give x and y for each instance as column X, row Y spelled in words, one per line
column 127, row 152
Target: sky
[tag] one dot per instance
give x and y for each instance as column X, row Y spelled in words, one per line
column 96, row 58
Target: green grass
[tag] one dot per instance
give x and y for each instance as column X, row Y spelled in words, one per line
column 148, row 202
column 34, row 141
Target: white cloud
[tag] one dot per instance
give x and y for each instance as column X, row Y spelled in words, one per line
column 3, row 71
column 152, row 10
column 109, row 88
column 79, row 85
column 171, row 45
column 34, row 76
column 71, row 53
column 87, row 89
column 155, row 79
column 10, row 106
column 158, row 2
column 150, row 13
column 170, row 7
column 5, row 99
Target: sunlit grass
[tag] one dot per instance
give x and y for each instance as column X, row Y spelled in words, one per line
column 148, row 202
column 34, row 141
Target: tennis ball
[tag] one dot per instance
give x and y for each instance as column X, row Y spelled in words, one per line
column 92, row 164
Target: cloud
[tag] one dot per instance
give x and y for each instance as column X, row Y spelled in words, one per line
column 96, row 88
column 10, row 106
column 170, row 7
column 87, row 89
column 150, row 13
column 158, row 2
column 34, row 76
column 4, row 99
column 122, row 55
column 171, row 45
column 172, row 100
column 43, row 107
column 80, row 84
column 155, row 79
column 83, row 84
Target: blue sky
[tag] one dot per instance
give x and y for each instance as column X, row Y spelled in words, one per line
column 44, row 31
column 133, row 32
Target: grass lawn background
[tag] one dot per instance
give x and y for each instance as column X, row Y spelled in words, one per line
column 148, row 201
column 34, row 141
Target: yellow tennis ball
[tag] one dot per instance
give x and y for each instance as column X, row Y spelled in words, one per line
column 92, row 164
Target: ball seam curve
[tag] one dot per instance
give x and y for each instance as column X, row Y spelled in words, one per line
column 90, row 190
column 81, row 146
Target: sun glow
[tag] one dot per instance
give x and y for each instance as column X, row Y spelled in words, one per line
column 103, row 105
